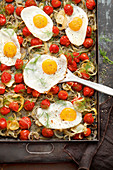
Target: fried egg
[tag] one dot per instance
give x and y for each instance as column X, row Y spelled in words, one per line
column 9, row 47
column 38, row 22
column 77, row 26
column 60, row 115
column 44, row 71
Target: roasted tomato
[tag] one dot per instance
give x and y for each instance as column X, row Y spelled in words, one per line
column 47, row 132
column 56, row 3
column 28, row 105
column 24, row 134
column 2, row 20
column 55, row 31
column 89, row 31
column 19, row 64
column 18, row 77
column 3, row 123
column 4, row 67
column 14, row 106
column 88, row 42
column 54, row 48
column 4, row 110
column 19, row 10
column 63, row 95
column 88, row 118
column 73, row 66
column 20, row 88
column 76, row 57
column 20, row 39
column 2, row 89
column 64, row 40
column 26, row 32
column 45, row 104
column 90, row 4
column 87, row 91
column 85, row 75
column 9, row 9
column 77, row 86
column 9, row 0
column 48, row 10
column 25, row 123
column 78, row 136
column 84, row 56
column 36, row 41
column 75, row 99
column 76, row 1
column 68, row 9
column 88, row 132
column 54, row 89
column 6, row 77
column 70, row 83
column 30, row 3
column 35, row 93
column 29, row 90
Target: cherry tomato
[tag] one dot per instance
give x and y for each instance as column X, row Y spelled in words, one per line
column 4, row 110
column 88, row 132
column 20, row 39
column 9, row 0
column 36, row 41
column 45, row 104
column 85, row 75
column 64, row 41
column 18, row 77
column 19, row 10
column 84, row 56
column 2, row 20
column 30, row 3
column 28, row 105
column 90, row 4
column 48, row 10
column 20, row 88
column 29, row 90
column 76, row 57
column 75, row 99
column 3, row 123
column 19, row 64
column 54, row 89
column 54, row 48
column 47, row 132
column 56, row 3
column 24, row 134
column 26, row 32
column 6, row 77
column 68, row 9
column 89, row 31
column 35, row 93
column 88, row 42
column 4, row 67
column 2, row 88
column 77, row 86
column 69, row 58
column 78, row 136
column 25, row 123
column 63, row 95
column 87, row 91
column 73, row 66
column 14, row 106
column 55, row 31
column 76, row 1
column 9, row 9
column 70, row 83
column 88, row 118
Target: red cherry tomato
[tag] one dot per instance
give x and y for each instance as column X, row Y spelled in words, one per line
column 64, row 41
column 48, row 10
column 24, row 134
column 54, row 89
column 69, row 58
column 88, row 42
column 6, row 77
column 30, row 3
column 85, row 75
column 9, row 9
column 78, row 136
column 63, row 95
column 47, row 132
column 75, row 99
column 20, row 88
column 25, row 123
column 87, row 91
column 55, row 31
column 29, row 90
column 36, row 41
column 89, row 31
column 56, row 3
column 76, row 1
column 2, row 89
column 88, row 132
column 2, row 20
column 20, row 39
column 4, row 110
column 76, row 57
column 28, row 105
column 19, row 64
column 84, row 56
column 90, row 4
column 54, row 48
column 9, row 0
column 14, row 106
column 18, row 77
column 73, row 66
column 3, row 123
column 26, row 32
column 68, row 9
column 70, row 83
column 4, row 67
column 88, row 118
column 19, row 10
column 77, row 86
column 45, row 104
column 35, row 93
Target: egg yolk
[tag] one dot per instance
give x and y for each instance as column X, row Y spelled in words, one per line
column 40, row 21
column 68, row 114
column 10, row 49
column 75, row 24
column 49, row 66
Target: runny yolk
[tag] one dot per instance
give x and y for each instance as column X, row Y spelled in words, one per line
column 68, row 114
column 10, row 49
column 40, row 21
column 49, row 66
column 75, row 24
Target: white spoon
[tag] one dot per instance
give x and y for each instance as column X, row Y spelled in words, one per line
column 99, row 87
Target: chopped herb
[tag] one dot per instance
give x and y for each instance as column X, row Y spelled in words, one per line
column 42, row 81
column 47, row 125
column 2, row 11
column 30, row 69
column 8, row 32
column 61, row 102
column 103, row 54
column 18, row 98
column 48, row 33
column 36, row 59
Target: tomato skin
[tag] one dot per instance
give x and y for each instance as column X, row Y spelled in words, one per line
column 70, row 83
column 4, row 110
column 4, row 67
column 6, row 77
column 30, row 3
column 36, row 41
column 88, row 118
column 77, row 86
column 54, row 89
column 18, row 77
column 9, row 9
column 55, row 31
column 20, row 88
column 45, row 104
column 26, row 32
column 54, row 48
column 25, row 123
column 84, row 56
column 75, row 99
column 88, row 132
column 68, row 9
column 19, row 64
column 62, row 95
column 29, row 90
column 2, row 89
column 48, row 10
column 20, row 39
column 28, row 105
column 47, row 132
column 14, row 106
column 88, row 42
column 85, row 75
column 19, row 10
column 78, row 136
column 76, row 1
column 73, row 66
column 89, row 31
column 3, row 123
column 56, row 3
column 9, row 0
column 64, row 40
column 2, row 20
column 87, row 91
column 90, row 4
column 35, row 93
column 76, row 57
column 24, row 134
